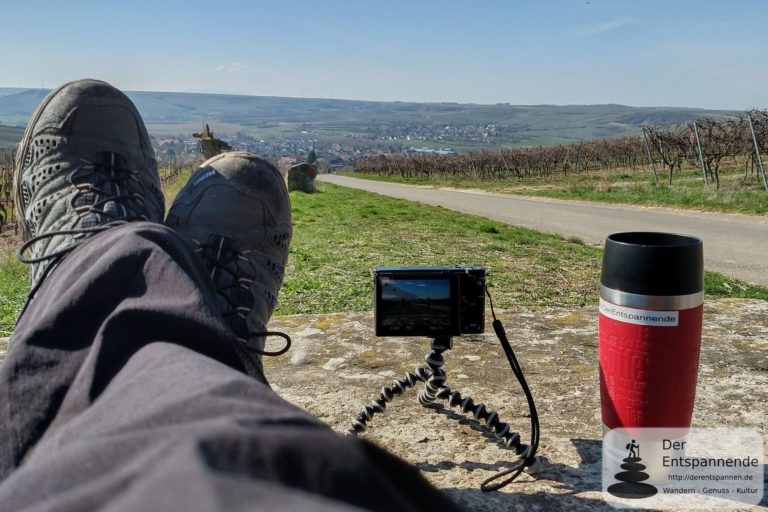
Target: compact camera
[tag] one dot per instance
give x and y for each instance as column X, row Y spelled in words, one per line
column 429, row 301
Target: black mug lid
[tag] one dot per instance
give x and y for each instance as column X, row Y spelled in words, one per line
column 648, row 263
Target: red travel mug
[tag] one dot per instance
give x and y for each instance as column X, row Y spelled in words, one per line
column 651, row 304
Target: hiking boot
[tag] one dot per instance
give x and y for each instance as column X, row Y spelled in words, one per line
column 236, row 213
column 85, row 164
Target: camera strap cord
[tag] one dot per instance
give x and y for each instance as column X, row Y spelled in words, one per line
column 530, row 456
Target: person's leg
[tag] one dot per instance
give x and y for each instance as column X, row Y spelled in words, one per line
column 124, row 387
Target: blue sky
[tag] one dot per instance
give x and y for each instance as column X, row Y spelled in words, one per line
column 711, row 54
column 423, row 288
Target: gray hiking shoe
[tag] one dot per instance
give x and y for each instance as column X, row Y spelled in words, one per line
column 236, row 213
column 85, row 164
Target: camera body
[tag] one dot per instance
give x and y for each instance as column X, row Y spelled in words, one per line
column 429, row 301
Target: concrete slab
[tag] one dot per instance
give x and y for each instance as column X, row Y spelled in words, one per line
column 336, row 366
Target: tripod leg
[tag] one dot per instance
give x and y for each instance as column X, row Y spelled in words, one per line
column 436, row 379
column 388, row 393
column 467, row 405
column 432, row 387
column 436, row 389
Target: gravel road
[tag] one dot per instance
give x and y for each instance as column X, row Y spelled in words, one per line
column 736, row 245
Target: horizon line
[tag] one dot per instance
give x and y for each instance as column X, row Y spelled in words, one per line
column 434, row 102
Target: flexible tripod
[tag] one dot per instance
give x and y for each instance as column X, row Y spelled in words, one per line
column 433, row 376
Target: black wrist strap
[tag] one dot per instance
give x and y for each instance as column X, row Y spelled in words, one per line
column 529, row 456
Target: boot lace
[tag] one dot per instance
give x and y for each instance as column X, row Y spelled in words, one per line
column 106, row 195
column 221, row 255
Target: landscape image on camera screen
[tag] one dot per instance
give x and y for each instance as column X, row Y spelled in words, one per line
column 416, row 305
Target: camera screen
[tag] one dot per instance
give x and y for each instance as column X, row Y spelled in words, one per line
column 418, row 306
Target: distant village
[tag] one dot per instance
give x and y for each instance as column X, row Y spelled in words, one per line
column 382, row 141
column 285, row 152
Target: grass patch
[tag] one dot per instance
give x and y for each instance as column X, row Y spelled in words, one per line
column 719, row 286
column 753, row 202
column 174, row 186
column 340, row 234
column 14, row 283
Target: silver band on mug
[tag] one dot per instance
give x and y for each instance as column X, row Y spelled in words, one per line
column 652, row 302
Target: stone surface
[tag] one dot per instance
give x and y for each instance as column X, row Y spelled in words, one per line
column 301, row 177
column 337, row 365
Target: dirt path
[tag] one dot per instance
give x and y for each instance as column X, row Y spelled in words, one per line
column 734, row 244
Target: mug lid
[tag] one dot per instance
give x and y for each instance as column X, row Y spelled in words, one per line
column 652, row 263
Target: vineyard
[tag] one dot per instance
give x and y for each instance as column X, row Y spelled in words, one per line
column 6, row 191
column 705, row 144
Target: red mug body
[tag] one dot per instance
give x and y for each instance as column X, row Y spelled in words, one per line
column 650, row 321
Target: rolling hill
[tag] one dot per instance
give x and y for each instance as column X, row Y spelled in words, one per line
column 370, row 122
column 10, row 136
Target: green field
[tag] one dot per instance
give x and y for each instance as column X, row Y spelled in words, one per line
column 341, row 233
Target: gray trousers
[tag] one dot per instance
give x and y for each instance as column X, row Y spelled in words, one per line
column 123, row 389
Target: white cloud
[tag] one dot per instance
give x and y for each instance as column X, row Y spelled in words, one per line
column 604, row 26
column 235, row 68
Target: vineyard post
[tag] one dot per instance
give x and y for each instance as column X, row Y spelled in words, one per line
column 408, row 167
column 664, row 159
column 701, row 157
column 493, row 169
column 397, row 166
column 14, row 154
column 578, row 157
column 691, row 148
column 650, row 157
column 504, row 160
column 3, row 181
column 472, row 167
column 757, row 150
